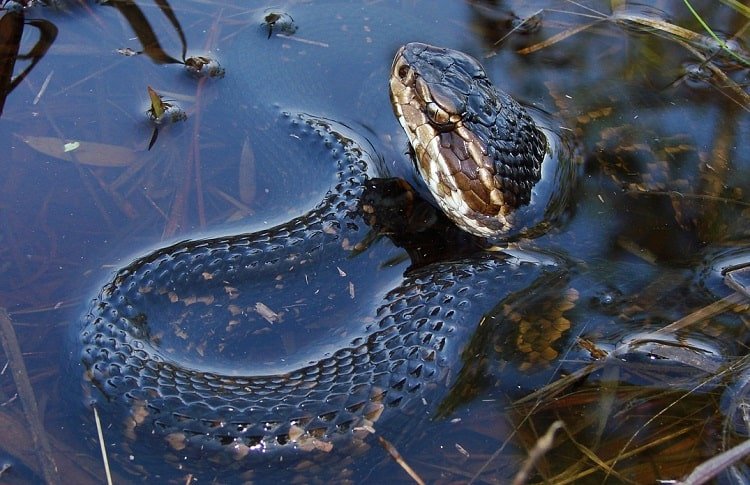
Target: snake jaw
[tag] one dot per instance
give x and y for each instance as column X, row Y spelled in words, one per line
column 477, row 180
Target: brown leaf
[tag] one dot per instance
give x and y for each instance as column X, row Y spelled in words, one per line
column 87, row 153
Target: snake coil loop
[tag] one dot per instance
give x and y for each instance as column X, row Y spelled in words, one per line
column 404, row 358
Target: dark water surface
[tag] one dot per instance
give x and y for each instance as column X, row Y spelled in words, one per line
column 658, row 119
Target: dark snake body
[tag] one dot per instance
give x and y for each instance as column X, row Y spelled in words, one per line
column 400, row 361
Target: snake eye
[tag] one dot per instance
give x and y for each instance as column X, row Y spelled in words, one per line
column 439, row 118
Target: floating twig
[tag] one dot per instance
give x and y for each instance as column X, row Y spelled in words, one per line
column 400, row 460
column 102, row 446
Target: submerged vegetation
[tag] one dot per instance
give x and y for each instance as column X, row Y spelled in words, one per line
column 648, row 376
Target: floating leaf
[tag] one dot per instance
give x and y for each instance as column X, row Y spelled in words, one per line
column 88, row 153
column 162, row 111
column 157, row 105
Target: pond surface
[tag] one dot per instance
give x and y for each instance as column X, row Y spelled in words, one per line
column 641, row 105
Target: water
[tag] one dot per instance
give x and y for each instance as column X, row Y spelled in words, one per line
column 660, row 205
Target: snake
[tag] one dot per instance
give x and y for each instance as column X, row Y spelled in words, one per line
column 480, row 154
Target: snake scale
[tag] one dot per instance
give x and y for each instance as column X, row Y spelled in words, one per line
column 399, row 362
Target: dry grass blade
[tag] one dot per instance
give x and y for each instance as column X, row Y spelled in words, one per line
column 712, row 467
column 400, row 460
column 684, row 36
column 542, row 446
column 661, row 413
column 743, row 9
column 555, row 388
column 629, row 19
column 701, row 314
column 689, row 40
column 519, row 26
column 697, row 316
column 102, row 447
column 558, row 38
column 28, row 401
column 738, row 95
column 591, row 455
column 568, row 478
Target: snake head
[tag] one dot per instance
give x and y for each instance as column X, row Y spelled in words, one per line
column 478, row 151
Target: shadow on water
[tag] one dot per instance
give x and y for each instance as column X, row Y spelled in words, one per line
column 626, row 362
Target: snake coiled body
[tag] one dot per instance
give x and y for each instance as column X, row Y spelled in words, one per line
column 212, row 395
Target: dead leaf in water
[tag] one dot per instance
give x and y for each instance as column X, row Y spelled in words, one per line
column 87, row 153
column 247, row 173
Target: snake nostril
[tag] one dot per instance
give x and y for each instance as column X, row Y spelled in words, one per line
column 403, row 72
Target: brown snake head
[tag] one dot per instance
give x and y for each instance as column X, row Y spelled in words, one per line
column 478, row 150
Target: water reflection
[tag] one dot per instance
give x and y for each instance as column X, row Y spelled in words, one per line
column 659, row 115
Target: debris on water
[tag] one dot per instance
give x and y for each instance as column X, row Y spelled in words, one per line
column 269, row 315
column 528, row 25
column 127, row 52
column 202, row 66
column 462, row 450
column 697, row 75
column 161, row 111
column 281, row 22
column 399, row 459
